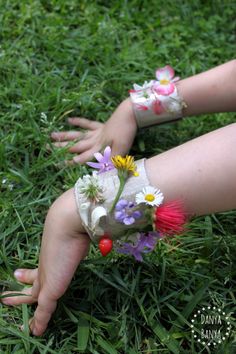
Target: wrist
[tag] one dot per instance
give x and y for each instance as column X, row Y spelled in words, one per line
column 129, row 112
column 123, row 117
column 64, row 211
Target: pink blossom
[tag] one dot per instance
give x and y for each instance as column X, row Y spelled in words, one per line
column 141, row 107
column 157, row 107
column 165, row 81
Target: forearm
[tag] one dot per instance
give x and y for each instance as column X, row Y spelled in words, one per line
column 163, row 100
column 201, row 172
column 211, row 91
column 208, row 92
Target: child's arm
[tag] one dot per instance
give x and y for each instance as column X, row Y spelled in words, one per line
column 64, row 245
column 205, row 183
column 208, row 92
column 201, row 173
column 212, row 91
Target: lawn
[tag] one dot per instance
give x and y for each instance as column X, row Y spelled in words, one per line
column 66, row 57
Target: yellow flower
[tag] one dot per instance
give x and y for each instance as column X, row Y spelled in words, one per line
column 125, row 164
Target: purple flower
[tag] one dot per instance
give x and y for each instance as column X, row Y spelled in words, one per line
column 145, row 243
column 104, row 161
column 125, row 213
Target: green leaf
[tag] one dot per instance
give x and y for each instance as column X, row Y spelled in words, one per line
column 166, row 338
column 106, row 346
column 82, row 334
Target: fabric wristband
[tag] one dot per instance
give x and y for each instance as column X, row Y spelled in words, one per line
column 96, row 217
column 157, row 101
column 118, row 206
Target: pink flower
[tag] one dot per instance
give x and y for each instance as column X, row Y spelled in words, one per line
column 104, row 161
column 170, row 218
column 141, row 107
column 157, row 107
column 165, row 81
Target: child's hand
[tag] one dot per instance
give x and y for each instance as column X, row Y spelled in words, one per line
column 64, row 245
column 118, row 132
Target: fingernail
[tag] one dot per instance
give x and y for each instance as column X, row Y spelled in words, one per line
column 18, row 273
column 5, row 301
column 76, row 159
column 70, row 120
column 31, row 326
column 34, row 331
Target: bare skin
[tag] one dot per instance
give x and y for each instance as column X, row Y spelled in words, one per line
column 202, row 172
column 208, row 92
column 64, row 245
column 99, row 135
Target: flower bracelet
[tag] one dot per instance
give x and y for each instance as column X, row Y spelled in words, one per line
column 157, row 101
column 120, row 209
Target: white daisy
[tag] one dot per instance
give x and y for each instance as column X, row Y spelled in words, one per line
column 150, row 196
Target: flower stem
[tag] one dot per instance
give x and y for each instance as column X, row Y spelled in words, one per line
column 120, row 190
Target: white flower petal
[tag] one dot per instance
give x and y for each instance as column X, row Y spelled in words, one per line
column 145, row 86
column 83, row 210
column 96, row 215
column 156, row 193
column 149, row 190
column 139, row 198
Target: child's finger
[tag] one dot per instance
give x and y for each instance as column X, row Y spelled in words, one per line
column 76, row 148
column 85, row 123
column 81, row 146
column 84, row 157
column 61, row 144
column 43, row 314
column 26, row 276
column 66, row 136
column 24, row 297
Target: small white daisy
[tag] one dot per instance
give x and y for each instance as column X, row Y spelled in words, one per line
column 150, row 196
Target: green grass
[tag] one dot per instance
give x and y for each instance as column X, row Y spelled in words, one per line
column 58, row 56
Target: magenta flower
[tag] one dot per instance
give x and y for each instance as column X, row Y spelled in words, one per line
column 104, row 161
column 141, row 107
column 165, row 81
column 146, row 243
column 157, row 107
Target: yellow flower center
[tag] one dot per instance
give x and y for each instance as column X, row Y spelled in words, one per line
column 164, row 82
column 149, row 197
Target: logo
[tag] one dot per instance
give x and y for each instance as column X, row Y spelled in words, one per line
column 210, row 326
